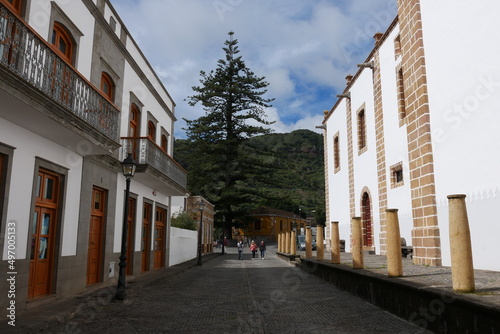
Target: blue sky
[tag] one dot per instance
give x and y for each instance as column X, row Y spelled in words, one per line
column 305, row 49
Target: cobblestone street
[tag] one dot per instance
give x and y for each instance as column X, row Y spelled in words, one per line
column 227, row 295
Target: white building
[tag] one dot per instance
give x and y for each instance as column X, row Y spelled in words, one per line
column 418, row 122
column 76, row 96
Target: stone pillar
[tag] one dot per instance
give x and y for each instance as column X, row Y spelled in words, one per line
column 462, row 269
column 308, row 242
column 357, row 244
column 293, row 249
column 320, row 247
column 287, row 242
column 393, row 239
column 335, row 243
column 279, row 242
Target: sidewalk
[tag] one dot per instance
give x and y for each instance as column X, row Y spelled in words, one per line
column 487, row 282
column 39, row 319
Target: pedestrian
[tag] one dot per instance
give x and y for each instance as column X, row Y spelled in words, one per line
column 240, row 249
column 253, row 249
column 262, row 249
column 225, row 245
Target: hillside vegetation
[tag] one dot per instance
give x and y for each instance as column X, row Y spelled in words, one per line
column 295, row 175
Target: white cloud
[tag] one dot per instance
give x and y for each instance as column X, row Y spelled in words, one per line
column 303, row 48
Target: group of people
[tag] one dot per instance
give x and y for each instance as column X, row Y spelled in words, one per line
column 253, row 248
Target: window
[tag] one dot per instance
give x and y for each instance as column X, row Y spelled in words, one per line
column 62, row 41
column 401, row 97
column 133, row 130
column 15, row 5
column 257, row 225
column 397, row 179
column 164, row 143
column 336, row 153
column 112, row 23
column 361, row 131
column 151, row 130
column 107, row 86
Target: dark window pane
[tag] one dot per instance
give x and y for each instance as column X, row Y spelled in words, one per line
column 49, row 188
column 45, row 223
column 35, row 221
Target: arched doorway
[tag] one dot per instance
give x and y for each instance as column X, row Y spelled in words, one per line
column 366, row 220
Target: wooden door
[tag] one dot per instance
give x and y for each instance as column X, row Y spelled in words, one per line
column 146, row 235
column 159, row 238
column 96, row 232
column 130, row 236
column 367, row 221
column 43, row 235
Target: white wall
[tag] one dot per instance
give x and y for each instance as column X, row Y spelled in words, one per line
column 28, row 147
column 395, row 141
column 338, row 183
column 464, row 94
column 77, row 12
column 183, row 245
column 365, row 164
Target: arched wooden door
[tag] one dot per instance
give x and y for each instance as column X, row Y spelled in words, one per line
column 366, row 220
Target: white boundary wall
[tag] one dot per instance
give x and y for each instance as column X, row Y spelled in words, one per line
column 183, row 245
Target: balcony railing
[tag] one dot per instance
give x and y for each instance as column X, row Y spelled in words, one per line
column 32, row 59
column 146, row 153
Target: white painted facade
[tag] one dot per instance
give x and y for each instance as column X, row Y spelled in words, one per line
column 463, row 82
column 66, row 126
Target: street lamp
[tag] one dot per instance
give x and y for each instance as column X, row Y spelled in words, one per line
column 128, row 168
column 300, row 217
column 200, row 230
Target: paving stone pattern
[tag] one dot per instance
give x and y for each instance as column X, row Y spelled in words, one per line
column 227, row 295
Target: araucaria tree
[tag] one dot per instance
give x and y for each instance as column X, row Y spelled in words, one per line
column 234, row 103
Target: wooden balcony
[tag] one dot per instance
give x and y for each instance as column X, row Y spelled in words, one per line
column 51, row 97
column 156, row 168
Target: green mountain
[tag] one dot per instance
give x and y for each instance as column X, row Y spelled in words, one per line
column 296, row 179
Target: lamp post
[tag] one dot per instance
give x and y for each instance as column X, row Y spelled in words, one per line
column 300, row 218
column 128, row 169
column 200, row 230
column 223, row 235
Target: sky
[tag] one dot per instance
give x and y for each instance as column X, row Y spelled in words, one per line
column 303, row 48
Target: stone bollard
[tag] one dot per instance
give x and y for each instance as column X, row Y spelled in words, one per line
column 320, row 247
column 335, row 243
column 279, row 242
column 462, row 269
column 393, row 239
column 357, row 244
column 293, row 249
column 308, row 242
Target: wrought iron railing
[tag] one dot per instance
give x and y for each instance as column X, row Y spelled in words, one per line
column 146, row 152
column 32, row 59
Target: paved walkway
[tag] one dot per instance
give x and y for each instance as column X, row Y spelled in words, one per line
column 487, row 282
column 224, row 295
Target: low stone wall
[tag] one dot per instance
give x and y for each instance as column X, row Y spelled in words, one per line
column 287, row 257
column 431, row 308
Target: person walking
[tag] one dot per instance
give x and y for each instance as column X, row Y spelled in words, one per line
column 240, row 249
column 226, row 243
column 253, row 249
column 262, row 249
